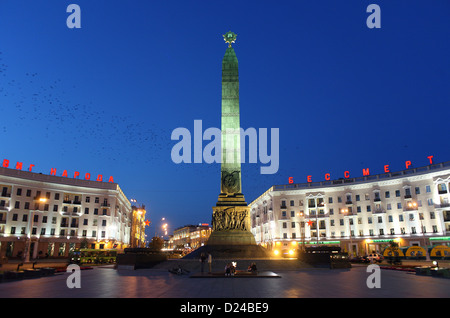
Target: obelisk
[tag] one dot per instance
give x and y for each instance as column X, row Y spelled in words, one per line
column 231, row 215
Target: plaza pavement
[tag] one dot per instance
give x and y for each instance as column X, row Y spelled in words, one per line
column 107, row 282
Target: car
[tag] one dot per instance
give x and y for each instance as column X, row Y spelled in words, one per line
column 375, row 257
column 359, row 259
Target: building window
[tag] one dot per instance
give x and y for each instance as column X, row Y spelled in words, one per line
column 387, row 195
column 19, row 191
column 428, row 189
column 357, row 197
column 330, row 199
column 292, row 202
column 400, row 218
column 417, row 190
column 397, row 193
column 390, row 219
column 399, row 205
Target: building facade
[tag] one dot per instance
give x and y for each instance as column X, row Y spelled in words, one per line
column 361, row 215
column 138, row 237
column 50, row 216
column 191, row 236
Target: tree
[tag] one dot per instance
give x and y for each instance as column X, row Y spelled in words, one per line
column 156, row 243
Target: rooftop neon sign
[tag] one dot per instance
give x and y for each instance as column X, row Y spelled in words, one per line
column 76, row 174
column 365, row 171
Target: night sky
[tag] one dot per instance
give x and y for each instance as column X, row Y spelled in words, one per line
column 105, row 98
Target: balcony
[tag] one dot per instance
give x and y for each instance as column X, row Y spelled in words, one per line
column 5, row 195
column 442, row 205
column 378, row 210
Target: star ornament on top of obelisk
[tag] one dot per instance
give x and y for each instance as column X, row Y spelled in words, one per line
column 230, row 37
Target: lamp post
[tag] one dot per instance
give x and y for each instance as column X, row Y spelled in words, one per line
column 30, row 222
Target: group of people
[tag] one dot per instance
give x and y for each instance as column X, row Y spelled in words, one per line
column 230, row 268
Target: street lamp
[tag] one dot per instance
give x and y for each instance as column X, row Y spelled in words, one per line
column 30, row 222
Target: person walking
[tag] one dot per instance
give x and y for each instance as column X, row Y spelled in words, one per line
column 202, row 261
column 210, row 262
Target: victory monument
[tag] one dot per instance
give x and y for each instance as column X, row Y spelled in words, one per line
column 231, row 236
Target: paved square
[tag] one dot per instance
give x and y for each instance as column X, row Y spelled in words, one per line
column 306, row 283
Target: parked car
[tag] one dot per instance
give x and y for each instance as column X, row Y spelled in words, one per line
column 375, row 257
column 359, row 259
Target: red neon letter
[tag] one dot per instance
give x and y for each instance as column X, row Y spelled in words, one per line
column 5, row 163
column 87, row 176
column 407, row 164
column 366, row 172
column 346, row 174
column 53, row 171
column 99, row 177
column 19, row 165
column 386, row 168
column 327, row 176
column 111, row 179
column 431, row 159
column 30, row 168
column 64, row 174
column 308, row 178
column 76, row 174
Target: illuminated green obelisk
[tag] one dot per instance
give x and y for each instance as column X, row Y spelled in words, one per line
column 231, row 215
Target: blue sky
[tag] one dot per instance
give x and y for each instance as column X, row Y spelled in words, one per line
column 105, row 98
